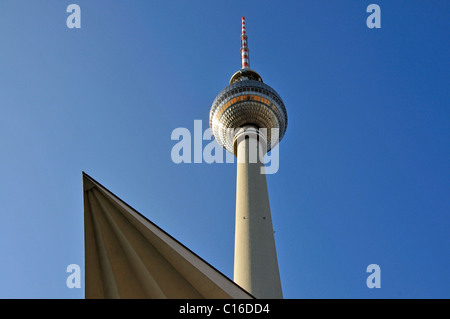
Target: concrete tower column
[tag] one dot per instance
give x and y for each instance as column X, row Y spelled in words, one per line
column 255, row 260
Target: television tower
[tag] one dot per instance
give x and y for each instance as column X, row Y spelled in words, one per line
column 248, row 119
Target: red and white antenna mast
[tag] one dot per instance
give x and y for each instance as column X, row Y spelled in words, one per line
column 245, row 63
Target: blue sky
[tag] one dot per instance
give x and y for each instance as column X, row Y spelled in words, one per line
column 364, row 164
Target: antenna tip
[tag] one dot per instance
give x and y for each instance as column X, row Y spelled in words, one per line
column 243, row 18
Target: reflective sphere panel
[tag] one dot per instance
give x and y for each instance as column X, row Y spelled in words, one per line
column 247, row 102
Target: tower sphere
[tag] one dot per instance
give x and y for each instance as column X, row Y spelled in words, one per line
column 247, row 100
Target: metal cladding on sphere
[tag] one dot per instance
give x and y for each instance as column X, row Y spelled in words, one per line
column 247, row 101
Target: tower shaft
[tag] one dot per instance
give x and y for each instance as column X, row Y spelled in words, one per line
column 255, row 260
